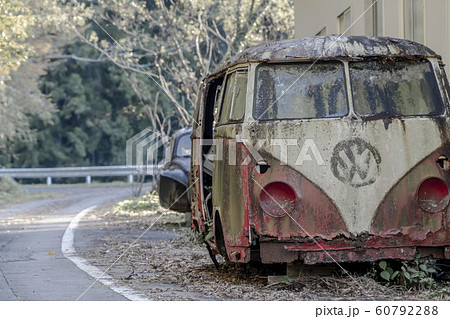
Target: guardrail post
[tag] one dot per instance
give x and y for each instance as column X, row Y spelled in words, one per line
column 49, row 180
column 130, row 179
column 88, row 180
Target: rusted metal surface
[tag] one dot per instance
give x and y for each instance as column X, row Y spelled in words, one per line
column 447, row 252
column 331, row 47
column 346, row 181
column 273, row 252
column 314, row 213
column 409, row 219
column 311, row 258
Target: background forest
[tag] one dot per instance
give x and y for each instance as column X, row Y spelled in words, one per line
column 79, row 78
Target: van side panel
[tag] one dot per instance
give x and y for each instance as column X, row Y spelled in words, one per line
column 229, row 186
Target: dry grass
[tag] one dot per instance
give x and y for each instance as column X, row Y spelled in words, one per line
column 178, row 269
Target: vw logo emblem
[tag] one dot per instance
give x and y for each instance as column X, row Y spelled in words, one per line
column 355, row 162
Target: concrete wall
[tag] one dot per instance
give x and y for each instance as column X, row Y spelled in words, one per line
column 311, row 16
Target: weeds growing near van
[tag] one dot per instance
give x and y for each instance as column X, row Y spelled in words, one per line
column 410, row 274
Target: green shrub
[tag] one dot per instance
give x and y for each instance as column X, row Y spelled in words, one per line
column 416, row 274
column 9, row 189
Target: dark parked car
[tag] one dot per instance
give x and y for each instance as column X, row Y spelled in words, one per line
column 173, row 179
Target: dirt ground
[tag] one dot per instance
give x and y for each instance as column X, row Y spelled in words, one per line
column 149, row 249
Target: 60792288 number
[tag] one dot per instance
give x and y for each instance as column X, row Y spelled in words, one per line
column 407, row 310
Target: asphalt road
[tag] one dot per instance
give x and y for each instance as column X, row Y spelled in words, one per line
column 32, row 266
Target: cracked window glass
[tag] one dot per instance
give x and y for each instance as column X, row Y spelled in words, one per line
column 402, row 88
column 227, row 99
column 300, row 91
column 240, row 91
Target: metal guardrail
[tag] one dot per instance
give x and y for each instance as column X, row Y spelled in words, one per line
column 87, row 172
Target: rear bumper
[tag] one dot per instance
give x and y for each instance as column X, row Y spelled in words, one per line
column 313, row 253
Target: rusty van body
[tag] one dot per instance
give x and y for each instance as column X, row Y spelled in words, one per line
column 324, row 149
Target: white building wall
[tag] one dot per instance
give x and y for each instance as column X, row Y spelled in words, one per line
column 437, row 27
column 311, row 16
column 393, row 18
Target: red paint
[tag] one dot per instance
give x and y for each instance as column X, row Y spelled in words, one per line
column 432, row 195
column 398, row 229
column 277, row 199
column 312, row 215
column 246, row 195
column 400, row 216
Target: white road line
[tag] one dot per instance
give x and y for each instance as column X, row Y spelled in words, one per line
column 68, row 250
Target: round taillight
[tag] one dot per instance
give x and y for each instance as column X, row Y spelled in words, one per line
column 433, row 195
column 277, row 199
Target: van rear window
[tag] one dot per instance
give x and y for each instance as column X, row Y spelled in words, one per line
column 300, row 91
column 184, row 146
column 395, row 87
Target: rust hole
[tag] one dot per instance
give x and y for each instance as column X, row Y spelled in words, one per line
column 443, row 162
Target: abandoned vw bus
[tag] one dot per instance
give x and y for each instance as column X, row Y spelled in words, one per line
column 324, row 149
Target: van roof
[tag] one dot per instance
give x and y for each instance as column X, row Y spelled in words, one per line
column 333, row 46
